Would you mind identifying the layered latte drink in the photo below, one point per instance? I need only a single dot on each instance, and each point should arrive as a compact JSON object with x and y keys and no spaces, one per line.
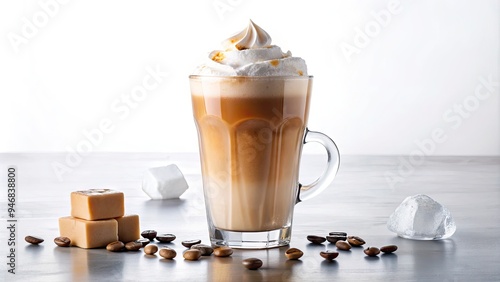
{"x":250,"y":135}
{"x":250,"y":103}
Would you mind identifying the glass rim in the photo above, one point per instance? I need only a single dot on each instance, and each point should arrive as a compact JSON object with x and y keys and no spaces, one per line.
{"x":239,"y":77}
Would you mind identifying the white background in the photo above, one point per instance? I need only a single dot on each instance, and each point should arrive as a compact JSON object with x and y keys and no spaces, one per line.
{"x":428,"y":57}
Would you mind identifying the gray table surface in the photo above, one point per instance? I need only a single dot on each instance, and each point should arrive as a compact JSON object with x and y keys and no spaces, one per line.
{"x":358,"y":202}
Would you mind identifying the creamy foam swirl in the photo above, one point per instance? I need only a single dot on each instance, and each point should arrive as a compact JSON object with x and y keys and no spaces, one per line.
{"x":250,"y":38}
{"x":250,"y":53}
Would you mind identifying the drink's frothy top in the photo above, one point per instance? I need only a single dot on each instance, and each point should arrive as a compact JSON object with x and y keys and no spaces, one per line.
{"x":250,"y":53}
{"x":250,"y":86}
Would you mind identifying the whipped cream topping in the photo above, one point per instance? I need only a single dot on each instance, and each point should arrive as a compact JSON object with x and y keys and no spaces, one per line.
{"x":252,"y":37}
{"x":250,"y":53}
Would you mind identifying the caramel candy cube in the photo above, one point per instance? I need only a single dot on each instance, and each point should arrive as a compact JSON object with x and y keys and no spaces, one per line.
{"x":88,"y":234}
{"x":94,"y":204}
{"x":128,"y":228}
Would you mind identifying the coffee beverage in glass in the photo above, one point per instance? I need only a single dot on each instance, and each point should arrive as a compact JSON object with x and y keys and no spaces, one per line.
{"x":251,"y":130}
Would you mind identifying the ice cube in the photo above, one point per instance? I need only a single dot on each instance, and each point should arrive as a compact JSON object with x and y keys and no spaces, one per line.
{"x":420,"y":217}
{"x":166,"y":182}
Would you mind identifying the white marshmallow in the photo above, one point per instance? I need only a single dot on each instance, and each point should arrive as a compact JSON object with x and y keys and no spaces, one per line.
{"x":166,"y":182}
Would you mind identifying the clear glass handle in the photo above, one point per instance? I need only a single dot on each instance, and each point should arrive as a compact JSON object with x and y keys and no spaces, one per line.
{"x":307,"y":192}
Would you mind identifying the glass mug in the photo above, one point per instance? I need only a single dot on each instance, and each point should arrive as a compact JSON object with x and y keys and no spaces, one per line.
{"x":251,"y":131}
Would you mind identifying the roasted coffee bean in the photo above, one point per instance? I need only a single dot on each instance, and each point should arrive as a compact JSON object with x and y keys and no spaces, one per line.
{"x":329,"y":255}
{"x":192,"y":254}
{"x":189,"y":243}
{"x":338,"y":233}
{"x":143,"y":241}
{"x":205,"y":250}
{"x":168,"y":253}
{"x":252,"y":263}
{"x":223,"y":251}
{"x":372,"y":251}
{"x":133,"y":246}
{"x":389,"y":249}
{"x":33,"y":240}
{"x":343,"y":245}
{"x":355,"y":241}
{"x":150,"y":249}
{"x":293,"y":253}
{"x":334,"y":238}
{"x":62,"y":241}
{"x":316,"y":239}
{"x":116,"y":246}
{"x":165,"y":238}
{"x":149,"y":234}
